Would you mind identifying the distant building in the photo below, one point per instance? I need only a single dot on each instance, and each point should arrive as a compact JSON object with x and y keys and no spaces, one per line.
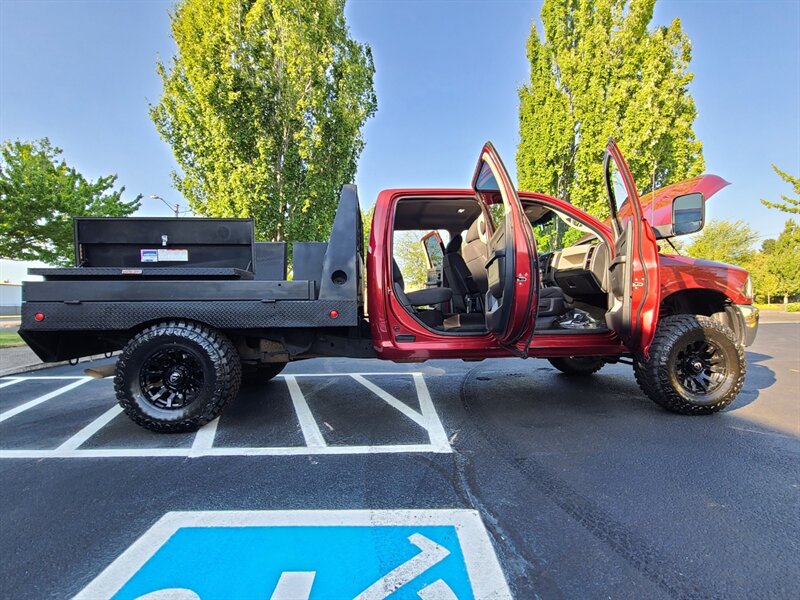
{"x":10,"y":298}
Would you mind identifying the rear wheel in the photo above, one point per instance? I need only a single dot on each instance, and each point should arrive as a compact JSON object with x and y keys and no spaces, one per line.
{"x":696,"y":366}
{"x":577,"y":365}
{"x":176,"y":376}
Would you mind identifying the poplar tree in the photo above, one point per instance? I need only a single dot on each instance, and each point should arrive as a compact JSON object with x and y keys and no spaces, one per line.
{"x":263,"y":106}
{"x":784,"y":261}
{"x":600,"y":71}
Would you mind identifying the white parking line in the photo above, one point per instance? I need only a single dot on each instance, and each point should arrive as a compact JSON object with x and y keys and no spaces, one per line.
{"x":391,"y":400}
{"x":221,"y":451}
{"x":433,"y":424}
{"x":204,"y":440}
{"x":46,"y":377}
{"x":84,"y":434}
{"x":9,"y":381}
{"x":309,"y":427}
{"x":203,"y":443}
{"x":36,"y":401}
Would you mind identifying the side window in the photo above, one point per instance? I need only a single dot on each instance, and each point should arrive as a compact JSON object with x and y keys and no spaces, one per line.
{"x":409,"y":254}
{"x":435,"y":253}
{"x":497,"y":212}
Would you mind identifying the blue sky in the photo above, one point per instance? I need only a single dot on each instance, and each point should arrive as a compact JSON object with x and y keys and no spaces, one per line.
{"x":447,"y":73}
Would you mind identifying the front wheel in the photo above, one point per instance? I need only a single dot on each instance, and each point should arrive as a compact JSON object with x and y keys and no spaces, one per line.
{"x":176,"y":376}
{"x":696,"y":367}
{"x":577,"y":365}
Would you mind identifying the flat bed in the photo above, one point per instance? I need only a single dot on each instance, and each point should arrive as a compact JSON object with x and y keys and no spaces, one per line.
{"x":95,"y":306}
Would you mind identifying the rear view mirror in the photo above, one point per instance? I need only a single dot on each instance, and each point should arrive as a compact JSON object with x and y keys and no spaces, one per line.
{"x":688,"y":214}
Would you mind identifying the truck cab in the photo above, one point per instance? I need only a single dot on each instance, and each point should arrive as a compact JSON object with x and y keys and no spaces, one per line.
{"x":600,"y":299}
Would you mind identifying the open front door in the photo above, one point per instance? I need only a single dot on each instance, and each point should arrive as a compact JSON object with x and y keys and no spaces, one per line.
{"x":634,"y":284}
{"x":511,"y":265}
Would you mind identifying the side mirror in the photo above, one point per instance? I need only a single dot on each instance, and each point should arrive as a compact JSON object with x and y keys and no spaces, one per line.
{"x":688,"y":213}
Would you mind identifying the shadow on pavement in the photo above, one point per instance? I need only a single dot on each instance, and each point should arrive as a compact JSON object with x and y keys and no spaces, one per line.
{"x":759,"y":377}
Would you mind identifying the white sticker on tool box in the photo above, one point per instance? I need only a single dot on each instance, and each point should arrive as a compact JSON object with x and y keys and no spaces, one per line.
{"x":173,"y":254}
{"x":148,"y":255}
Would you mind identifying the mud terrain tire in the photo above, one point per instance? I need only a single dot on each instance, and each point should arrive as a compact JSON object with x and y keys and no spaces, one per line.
{"x":696,"y":367}
{"x":176,"y":376}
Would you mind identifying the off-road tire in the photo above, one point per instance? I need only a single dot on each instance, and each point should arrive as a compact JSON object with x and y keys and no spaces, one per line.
{"x":577,"y":365}
{"x":215,"y":364}
{"x":258,"y":374}
{"x":660,"y":376}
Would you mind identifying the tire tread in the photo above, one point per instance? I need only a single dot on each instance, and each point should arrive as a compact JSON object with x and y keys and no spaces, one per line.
{"x":227,"y":381}
{"x":653,"y":375}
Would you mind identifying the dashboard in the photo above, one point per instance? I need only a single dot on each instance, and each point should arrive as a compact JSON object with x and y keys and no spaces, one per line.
{"x":580,"y":270}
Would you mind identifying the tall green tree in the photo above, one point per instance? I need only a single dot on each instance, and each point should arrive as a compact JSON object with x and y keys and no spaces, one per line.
{"x":599,"y":71}
{"x":263,"y":105}
{"x":724,"y":241}
{"x":787,"y":204}
{"x":784,"y":261}
{"x":765,"y":283}
{"x":39,"y":195}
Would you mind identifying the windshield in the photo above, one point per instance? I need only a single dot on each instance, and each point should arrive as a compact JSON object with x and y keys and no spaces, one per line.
{"x":555,"y":230}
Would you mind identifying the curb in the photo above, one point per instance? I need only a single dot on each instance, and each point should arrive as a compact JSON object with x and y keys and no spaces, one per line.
{"x":42,"y":365}
{"x":30,"y":368}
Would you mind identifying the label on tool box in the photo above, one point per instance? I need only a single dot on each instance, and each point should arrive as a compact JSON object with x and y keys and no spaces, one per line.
{"x":164,"y":255}
{"x":148,"y":256}
{"x":173,"y":255}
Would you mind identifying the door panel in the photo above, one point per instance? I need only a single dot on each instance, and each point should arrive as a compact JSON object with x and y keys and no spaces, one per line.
{"x":634,"y":274}
{"x":511,"y":264}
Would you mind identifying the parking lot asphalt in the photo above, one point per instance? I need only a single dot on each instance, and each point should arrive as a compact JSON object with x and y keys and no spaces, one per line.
{"x":585,"y":488}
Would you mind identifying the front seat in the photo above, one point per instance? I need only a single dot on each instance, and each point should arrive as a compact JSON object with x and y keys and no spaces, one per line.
{"x":475,"y":253}
{"x":466,"y":295}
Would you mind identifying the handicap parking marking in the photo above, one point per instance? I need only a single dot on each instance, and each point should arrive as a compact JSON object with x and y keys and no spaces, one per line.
{"x":423,"y":416}
{"x":440,"y":554}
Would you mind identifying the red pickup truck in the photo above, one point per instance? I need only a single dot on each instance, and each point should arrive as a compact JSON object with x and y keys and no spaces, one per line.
{"x":189,"y":326}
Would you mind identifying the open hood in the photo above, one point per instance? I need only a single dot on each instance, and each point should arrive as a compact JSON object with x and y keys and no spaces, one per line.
{"x":657,"y":206}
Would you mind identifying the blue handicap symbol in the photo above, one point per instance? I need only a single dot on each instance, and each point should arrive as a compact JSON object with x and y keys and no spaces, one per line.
{"x":304,"y":562}
{"x":434,"y":554}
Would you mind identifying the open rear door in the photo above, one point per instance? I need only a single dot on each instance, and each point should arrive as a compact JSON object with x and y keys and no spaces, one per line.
{"x":635,"y":286}
{"x":511,"y":266}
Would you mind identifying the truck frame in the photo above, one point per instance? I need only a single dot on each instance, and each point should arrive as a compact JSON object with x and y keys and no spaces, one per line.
{"x":194,"y":305}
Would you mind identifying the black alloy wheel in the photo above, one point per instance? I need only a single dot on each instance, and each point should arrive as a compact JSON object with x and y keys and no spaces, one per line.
{"x":700,"y":367}
{"x":171,"y":378}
